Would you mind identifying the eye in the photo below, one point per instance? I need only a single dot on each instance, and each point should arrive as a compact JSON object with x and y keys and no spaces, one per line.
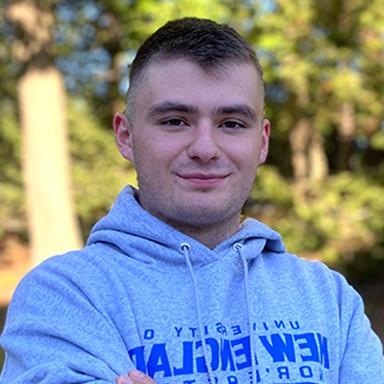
{"x":173,"y":122}
{"x":233,"y":124}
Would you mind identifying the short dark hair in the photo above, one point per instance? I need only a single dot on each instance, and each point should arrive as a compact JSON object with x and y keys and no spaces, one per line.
{"x":204,"y":42}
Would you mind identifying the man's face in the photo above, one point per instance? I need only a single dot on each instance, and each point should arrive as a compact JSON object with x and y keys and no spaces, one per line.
{"x":196,"y":140}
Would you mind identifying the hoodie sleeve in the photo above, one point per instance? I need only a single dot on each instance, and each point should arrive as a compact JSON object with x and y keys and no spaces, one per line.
{"x":362,"y":357}
{"x":55,"y":332}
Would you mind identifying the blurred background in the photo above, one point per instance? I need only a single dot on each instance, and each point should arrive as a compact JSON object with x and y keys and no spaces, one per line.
{"x":63,"y":68}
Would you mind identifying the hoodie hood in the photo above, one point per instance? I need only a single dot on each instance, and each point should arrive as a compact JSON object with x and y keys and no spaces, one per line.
{"x":256,"y":315}
{"x":140,"y":235}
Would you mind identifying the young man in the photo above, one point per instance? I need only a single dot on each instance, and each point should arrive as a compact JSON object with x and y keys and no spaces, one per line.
{"x":171,"y":283}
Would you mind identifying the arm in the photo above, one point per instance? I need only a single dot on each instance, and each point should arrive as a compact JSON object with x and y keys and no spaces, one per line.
{"x":56,"y":332}
{"x":362,"y":357}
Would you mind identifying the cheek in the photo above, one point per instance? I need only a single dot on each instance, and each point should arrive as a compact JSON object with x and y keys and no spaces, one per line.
{"x":153,"y":156}
{"x":246,"y":157}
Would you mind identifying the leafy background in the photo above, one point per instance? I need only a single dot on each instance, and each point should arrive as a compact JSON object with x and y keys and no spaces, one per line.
{"x":323,"y":187}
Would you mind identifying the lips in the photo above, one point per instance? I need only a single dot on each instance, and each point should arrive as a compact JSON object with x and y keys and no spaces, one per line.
{"x":202,"y":176}
{"x":203,"y":179}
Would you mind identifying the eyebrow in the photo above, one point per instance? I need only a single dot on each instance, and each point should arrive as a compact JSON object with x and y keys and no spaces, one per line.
{"x":240,"y":109}
{"x":171,"y":106}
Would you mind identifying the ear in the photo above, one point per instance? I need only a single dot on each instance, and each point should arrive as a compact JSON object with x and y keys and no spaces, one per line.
{"x":264,"y":145}
{"x":123,"y":135}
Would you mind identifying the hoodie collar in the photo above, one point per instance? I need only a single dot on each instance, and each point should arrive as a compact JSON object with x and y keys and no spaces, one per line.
{"x":140,"y":235}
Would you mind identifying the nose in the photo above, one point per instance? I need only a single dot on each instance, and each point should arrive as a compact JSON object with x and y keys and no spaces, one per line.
{"x":204,"y":146}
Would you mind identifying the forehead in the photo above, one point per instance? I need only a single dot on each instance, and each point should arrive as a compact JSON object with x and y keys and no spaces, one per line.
{"x":184,"y":81}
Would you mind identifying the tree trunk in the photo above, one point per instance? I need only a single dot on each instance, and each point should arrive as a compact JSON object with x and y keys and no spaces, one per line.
{"x":299,"y":138}
{"x":41,"y":95}
{"x":318,"y":162}
{"x":346,"y":132}
{"x":52,"y":224}
{"x":309,"y":160}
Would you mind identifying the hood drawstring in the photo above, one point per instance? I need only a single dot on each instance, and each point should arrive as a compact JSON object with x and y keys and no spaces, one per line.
{"x":238,"y":248}
{"x":185,"y":247}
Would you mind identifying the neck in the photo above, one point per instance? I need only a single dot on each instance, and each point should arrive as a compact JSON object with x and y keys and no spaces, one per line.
{"x":210,"y":234}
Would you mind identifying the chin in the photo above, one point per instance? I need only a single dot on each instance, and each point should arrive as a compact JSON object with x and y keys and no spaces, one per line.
{"x":204,"y":215}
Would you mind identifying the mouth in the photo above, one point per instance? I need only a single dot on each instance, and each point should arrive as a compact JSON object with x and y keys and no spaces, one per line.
{"x":203,"y":180}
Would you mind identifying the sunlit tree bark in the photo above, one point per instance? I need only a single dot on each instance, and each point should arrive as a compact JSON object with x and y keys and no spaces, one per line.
{"x":346,"y":133}
{"x":41,"y":97}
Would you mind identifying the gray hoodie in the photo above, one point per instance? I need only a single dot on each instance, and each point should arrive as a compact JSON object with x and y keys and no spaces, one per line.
{"x":141,"y":294}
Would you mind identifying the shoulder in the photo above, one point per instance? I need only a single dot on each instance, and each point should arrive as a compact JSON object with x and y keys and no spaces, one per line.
{"x":289,"y":263}
{"x":60,"y":318}
{"x":72,"y":276}
{"x":312,"y":278}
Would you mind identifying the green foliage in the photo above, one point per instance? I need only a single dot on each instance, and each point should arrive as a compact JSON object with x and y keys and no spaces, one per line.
{"x":12,"y":215}
{"x":377,"y":140}
{"x":99,"y":172}
{"x":347,"y":211}
{"x":271,"y":187}
{"x":335,"y":221}
{"x":318,"y":56}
